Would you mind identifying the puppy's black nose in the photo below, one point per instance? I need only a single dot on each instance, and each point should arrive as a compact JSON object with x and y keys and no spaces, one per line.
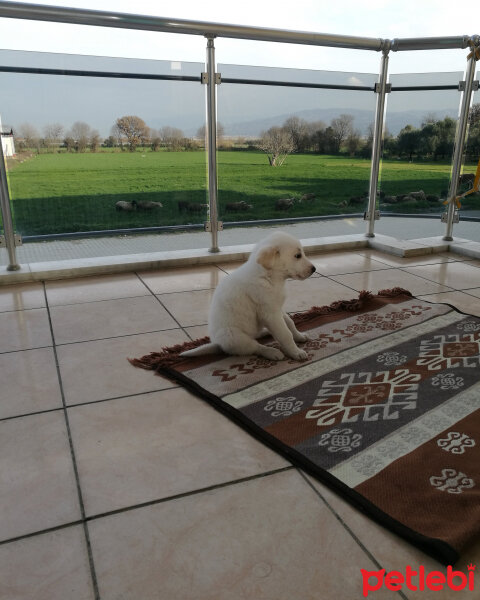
{"x":313,"y":269}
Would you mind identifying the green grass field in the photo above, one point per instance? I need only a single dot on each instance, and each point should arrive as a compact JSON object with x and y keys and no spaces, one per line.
{"x":59,"y":193}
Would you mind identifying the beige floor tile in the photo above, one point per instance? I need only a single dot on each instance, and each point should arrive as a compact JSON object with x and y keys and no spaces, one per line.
{"x":229,"y":267}
{"x":110,"y":318}
{"x":36,"y":475}
{"x":51,"y":566}
{"x":474,"y":292}
{"x":188,"y":308}
{"x":457,"y":275}
{"x":267,"y":538}
{"x":391,"y":551}
{"x":401,"y":261}
{"x":99,"y":370}
{"x":24,"y":329}
{"x":135,"y":450}
{"x":315,"y":291}
{"x":21,"y":296}
{"x":380,"y":280}
{"x":464,"y":302}
{"x":337,"y":263}
{"x":182,"y":280}
{"x":29,"y":382}
{"x":90,"y":289}
{"x":198,"y":331}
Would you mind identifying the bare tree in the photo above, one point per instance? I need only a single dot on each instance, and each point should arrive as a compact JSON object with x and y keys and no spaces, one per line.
{"x":277,"y":143}
{"x":341,"y":129}
{"x":81,"y":133}
{"x":155,"y":140}
{"x":134,"y":129}
{"x":202,"y":132}
{"x":94,"y":140}
{"x":353,"y":142}
{"x":53,"y":134}
{"x":29,"y":135}
{"x":172,"y":138}
{"x":298,"y":129}
{"x":117,"y":136}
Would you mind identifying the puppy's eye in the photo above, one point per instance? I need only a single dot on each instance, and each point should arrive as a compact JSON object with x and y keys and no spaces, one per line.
{"x":299,"y":255}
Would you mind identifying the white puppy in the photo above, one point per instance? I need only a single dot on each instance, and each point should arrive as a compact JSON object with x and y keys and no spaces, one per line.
{"x":251,"y":299}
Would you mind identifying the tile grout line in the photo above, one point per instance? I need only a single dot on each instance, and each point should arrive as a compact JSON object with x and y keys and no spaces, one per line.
{"x":89,"y":403}
{"x":345,"y":526}
{"x":85,"y":520}
{"x":165,"y":308}
{"x":72,"y":455}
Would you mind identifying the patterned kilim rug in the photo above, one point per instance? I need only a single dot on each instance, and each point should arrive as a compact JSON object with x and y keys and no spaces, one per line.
{"x":386,"y":410}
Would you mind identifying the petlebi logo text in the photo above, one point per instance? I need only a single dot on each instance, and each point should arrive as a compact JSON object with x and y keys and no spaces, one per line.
{"x":418,"y":579}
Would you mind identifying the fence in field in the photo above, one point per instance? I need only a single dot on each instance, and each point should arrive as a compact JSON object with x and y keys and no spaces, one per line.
{"x":230,"y":84}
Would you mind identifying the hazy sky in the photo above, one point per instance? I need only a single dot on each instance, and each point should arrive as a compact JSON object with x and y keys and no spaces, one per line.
{"x":371,"y":18}
{"x":41,"y":99}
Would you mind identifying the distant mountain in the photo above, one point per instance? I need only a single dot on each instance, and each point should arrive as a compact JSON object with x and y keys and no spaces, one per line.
{"x":362,"y":120}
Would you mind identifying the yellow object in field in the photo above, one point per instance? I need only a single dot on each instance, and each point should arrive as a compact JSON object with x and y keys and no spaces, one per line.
{"x":475,"y":188}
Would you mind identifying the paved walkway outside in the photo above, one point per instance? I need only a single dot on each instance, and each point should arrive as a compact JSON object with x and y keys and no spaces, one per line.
{"x":401,"y":228}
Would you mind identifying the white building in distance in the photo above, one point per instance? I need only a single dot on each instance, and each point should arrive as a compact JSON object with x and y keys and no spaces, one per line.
{"x":8,"y":144}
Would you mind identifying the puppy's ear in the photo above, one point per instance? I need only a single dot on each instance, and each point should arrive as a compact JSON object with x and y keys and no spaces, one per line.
{"x":266,"y":256}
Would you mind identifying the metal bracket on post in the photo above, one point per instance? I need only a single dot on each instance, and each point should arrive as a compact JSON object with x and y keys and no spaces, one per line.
{"x":456,"y":217}
{"x":208,"y":226}
{"x":17,"y":238}
{"x":205,"y":78}
{"x":462,"y":86}
{"x":376,"y":215}
{"x":378,"y":89}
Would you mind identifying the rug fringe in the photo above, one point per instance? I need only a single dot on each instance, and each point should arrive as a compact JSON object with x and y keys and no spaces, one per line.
{"x":396,"y":291}
{"x":168,"y":356}
{"x":340,"y":305}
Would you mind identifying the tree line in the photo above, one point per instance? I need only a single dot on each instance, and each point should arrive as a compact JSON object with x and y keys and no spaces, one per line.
{"x":433,"y":140}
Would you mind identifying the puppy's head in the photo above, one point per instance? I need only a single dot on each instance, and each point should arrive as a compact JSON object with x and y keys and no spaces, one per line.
{"x":283,"y":254}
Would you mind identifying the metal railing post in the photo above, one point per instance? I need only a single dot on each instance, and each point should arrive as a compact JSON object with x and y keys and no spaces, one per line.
{"x":460,"y":137}
{"x":211,"y":91}
{"x":381,"y":90}
{"x":7,"y":216}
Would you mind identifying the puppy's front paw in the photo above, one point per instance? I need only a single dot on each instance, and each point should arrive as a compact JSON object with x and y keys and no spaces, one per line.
{"x":299,"y":354}
{"x":302,"y":337}
{"x":273,"y":354}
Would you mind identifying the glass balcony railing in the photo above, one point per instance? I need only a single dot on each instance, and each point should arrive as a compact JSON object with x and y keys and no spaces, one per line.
{"x":108,"y":145}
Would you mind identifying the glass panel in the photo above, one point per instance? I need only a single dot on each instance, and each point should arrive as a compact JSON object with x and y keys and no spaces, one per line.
{"x":287,"y":152}
{"x":471,"y":168}
{"x":73,"y":165}
{"x":417,"y":153}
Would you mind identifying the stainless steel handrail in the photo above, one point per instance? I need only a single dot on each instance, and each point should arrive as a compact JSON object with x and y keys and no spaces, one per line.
{"x":98,"y":18}
{"x":80,"y":16}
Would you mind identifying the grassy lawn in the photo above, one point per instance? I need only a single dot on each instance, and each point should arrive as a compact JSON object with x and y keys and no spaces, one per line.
{"x":54,"y":193}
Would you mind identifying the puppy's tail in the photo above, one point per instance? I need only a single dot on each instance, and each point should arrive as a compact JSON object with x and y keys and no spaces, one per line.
{"x":201,"y":350}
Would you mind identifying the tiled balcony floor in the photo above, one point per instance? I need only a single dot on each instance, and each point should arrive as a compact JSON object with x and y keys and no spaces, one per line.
{"x":117,"y":484}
